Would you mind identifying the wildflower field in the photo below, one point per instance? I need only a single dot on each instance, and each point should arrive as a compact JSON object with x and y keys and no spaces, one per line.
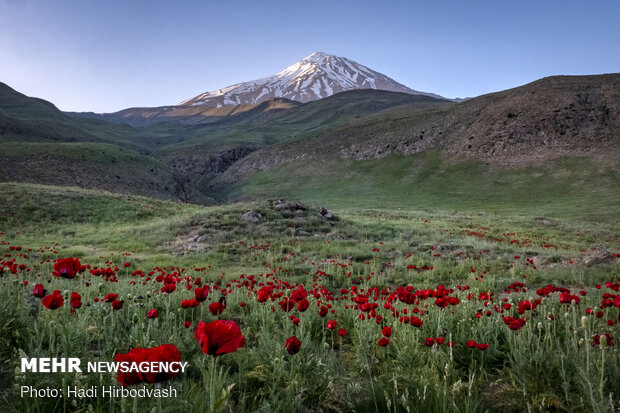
{"x":367,"y":309}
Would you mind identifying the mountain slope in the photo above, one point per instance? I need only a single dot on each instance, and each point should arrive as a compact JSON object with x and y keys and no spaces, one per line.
{"x":208,"y":150}
{"x":185,"y":115}
{"x":571,"y":116}
{"x":315,"y":77}
{"x":24,"y":118}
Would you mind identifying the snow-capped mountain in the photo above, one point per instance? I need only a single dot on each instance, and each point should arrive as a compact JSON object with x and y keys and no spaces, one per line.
{"x":315,"y":77}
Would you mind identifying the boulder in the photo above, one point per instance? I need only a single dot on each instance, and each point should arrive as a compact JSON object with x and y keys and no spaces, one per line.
{"x":598,"y":255}
{"x":300,"y":232}
{"x":251,"y":216}
{"x":325,"y":213}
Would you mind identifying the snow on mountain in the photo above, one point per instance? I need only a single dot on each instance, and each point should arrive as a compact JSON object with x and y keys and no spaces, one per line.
{"x":315,"y":77}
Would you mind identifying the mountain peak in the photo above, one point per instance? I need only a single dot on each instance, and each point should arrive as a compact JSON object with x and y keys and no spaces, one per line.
{"x":316,"y":76}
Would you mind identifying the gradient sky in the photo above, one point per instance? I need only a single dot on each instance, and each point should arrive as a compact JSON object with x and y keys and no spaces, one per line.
{"x":104,"y":56}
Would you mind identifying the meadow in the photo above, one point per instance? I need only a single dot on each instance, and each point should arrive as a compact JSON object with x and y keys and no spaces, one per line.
{"x":394,"y":307}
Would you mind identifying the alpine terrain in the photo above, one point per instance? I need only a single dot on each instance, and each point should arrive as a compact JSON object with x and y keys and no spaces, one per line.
{"x":315,"y":77}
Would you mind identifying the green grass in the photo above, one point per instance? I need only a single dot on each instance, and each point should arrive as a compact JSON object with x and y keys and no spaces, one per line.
{"x":550,"y":368}
{"x":303,"y":122}
{"x":566,"y":186}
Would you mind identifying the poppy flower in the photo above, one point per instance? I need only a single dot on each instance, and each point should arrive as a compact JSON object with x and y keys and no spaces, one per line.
{"x":38,"y":291}
{"x":440,"y":340}
{"x":429,"y":342}
{"x":342,"y":332}
{"x":287,"y":304}
{"x":152,"y":314}
{"x":117,"y":305}
{"x":189,"y":303}
{"x":53,"y":301}
{"x":219,"y":337}
{"x":482,"y":346}
{"x":216,"y":308}
{"x":471,"y":344}
{"x":201,"y":293}
{"x":293,"y":345}
{"x":110,"y":297}
{"x":303,"y":305}
{"x":67,"y":268}
{"x":169,"y":288}
{"x":323,"y":311}
{"x":187,"y":324}
{"x":387,"y":331}
{"x":75,"y":300}
{"x":383,"y":342}
{"x":332,"y":324}
{"x":135,"y":355}
{"x":264,"y":294}
{"x":299,"y":294}
{"x":164,"y":353}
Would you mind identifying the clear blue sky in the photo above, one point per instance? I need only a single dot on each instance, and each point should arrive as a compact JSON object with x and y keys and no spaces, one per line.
{"x":108,"y":55}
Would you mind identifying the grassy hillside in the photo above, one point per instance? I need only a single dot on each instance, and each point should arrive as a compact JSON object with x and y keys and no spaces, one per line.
{"x":85,"y":164}
{"x":565,"y":186}
{"x":254,"y":128}
{"x":27,"y":119}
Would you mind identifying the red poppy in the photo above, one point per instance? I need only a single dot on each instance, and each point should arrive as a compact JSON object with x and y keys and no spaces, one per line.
{"x":387,"y":331}
{"x":187,"y":324}
{"x":482,"y":346}
{"x":439,"y":340}
{"x":76,"y":300}
{"x":416,"y":322}
{"x":264,"y":294}
{"x":323,"y":311}
{"x":303,"y":305}
{"x":292,"y":344}
{"x":189,"y":303}
{"x":201,"y":293}
{"x":342,"y":332}
{"x":383,"y":342}
{"x":53,"y":301}
{"x":299,"y":294}
{"x":332,"y":324}
{"x":164,"y":353}
{"x":152,"y":314}
{"x":429,"y":342}
{"x":169,"y":288}
{"x":67,"y":268}
{"x":219,"y":337}
{"x":471,"y":344}
{"x":135,"y":355}
{"x":38,"y":291}
{"x":287,"y":304}
{"x":117,"y":305}
{"x":110,"y":297}
{"x":216,"y":308}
